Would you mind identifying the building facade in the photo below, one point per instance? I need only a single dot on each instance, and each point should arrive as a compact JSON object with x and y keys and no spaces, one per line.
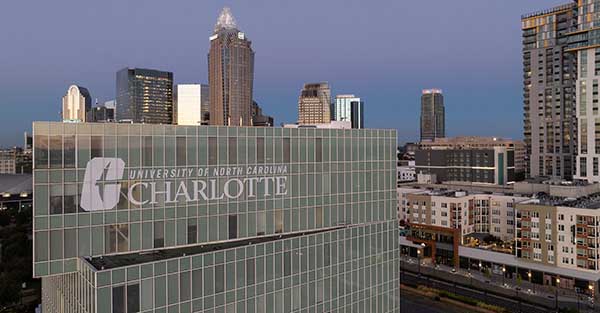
{"x":75,"y":104}
{"x":230,"y":74}
{"x":349,"y":108}
{"x":101,"y":114}
{"x":191,"y":104}
{"x":144,"y":96}
{"x":433,"y":115}
{"x":260,"y":119}
{"x":560,"y":233}
{"x":487,"y":160}
{"x":157,"y":218}
{"x":314,"y":104}
{"x":549,"y":71}
{"x":470,"y":213}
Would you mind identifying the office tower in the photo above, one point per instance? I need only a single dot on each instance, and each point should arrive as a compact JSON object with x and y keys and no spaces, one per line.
{"x":314,"y":104}
{"x":230,"y":74}
{"x":191,"y":104}
{"x":433,"y":116}
{"x":349,"y":108}
{"x":549,"y":72}
{"x":215,"y":219}
{"x":75,"y":104}
{"x":101,"y":114}
{"x":145,"y":96}
{"x":260,"y":119}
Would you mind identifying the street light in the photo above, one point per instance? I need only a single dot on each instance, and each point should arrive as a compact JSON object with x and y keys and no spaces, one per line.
{"x":557,"y":283}
{"x":503,"y":274}
{"x":419,"y":261}
{"x":529,"y":275}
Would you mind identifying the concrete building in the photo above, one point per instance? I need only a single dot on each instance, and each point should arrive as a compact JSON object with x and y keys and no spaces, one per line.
{"x":468,"y":159}
{"x":470,"y":213}
{"x":433,"y":115}
{"x":144,"y":96}
{"x":314,"y":104}
{"x":560,"y":232}
{"x":349,"y":108}
{"x":214,"y":219}
{"x":549,"y":71}
{"x":407,"y":173}
{"x":191,"y":104}
{"x":75,"y":104}
{"x":8,"y":161}
{"x":230,"y":74}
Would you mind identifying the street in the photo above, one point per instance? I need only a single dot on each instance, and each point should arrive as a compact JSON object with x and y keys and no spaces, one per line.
{"x":415,"y":303}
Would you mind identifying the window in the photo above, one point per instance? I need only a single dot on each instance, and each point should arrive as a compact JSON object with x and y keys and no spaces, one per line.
{"x":133,"y":298}
{"x":56,"y":199}
{"x":118,"y":299}
{"x":219,"y":278}
{"x":286,"y":150}
{"x":260,"y":150}
{"x":232,"y":151}
{"x":261,"y":223}
{"x":278,"y":221}
{"x":232,"y":226}
{"x":159,"y":234}
{"x":56,"y":150}
{"x":147,"y":150}
{"x":192,"y":230}
{"x":212,"y":150}
{"x":69,"y":151}
{"x":181,"y":151}
{"x":318,"y":150}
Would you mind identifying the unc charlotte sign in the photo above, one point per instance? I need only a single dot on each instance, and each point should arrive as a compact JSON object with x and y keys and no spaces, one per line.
{"x":103,"y":176}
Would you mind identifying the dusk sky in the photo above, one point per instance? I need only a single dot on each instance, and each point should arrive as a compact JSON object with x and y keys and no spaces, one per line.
{"x":384,"y":51}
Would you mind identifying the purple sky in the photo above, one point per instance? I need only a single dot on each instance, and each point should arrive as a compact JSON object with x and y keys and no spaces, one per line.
{"x":384,"y":51}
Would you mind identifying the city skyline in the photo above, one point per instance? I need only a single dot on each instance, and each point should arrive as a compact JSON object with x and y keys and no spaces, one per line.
{"x":387,"y":83}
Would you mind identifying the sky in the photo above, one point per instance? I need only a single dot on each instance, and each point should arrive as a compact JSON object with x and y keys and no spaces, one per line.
{"x":384,"y":51}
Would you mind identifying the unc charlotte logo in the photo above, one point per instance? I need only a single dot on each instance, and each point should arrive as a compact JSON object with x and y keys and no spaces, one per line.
{"x":100,"y":184}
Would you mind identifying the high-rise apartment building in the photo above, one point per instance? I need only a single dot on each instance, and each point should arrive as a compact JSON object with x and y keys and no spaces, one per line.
{"x":314,"y":104}
{"x":549,"y":72}
{"x":191,"y":104}
{"x":433,"y":116}
{"x":75,"y":104}
{"x":145,"y":96}
{"x":164,"y":218}
{"x":230,"y":74}
{"x":582,"y":42}
{"x":349,"y":108}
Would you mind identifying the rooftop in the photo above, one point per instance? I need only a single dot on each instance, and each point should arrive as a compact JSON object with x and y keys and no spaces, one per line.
{"x":225,"y":20}
{"x":562,"y":7}
{"x":114,"y":261}
{"x":15,"y":183}
{"x":591,"y":201}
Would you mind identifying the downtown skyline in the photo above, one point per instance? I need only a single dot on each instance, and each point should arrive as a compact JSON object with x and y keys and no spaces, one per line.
{"x":479,"y":68}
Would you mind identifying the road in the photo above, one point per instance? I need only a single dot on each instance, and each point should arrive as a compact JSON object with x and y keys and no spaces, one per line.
{"x":411,"y":302}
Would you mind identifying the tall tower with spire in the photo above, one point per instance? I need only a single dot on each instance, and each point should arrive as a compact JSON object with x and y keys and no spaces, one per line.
{"x":230,"y":73}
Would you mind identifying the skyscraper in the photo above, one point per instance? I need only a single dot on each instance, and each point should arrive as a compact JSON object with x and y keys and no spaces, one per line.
{"x":314,"y":104}
{"x":433,"y":116}
{"x":584,"y":45}
{"x":349,"y":108}
{"x":145,"y":96}
{"x":75,"y":104}
{"x":549,"y":73}
{"x":191,"y":104}
{"x":230,"y":74}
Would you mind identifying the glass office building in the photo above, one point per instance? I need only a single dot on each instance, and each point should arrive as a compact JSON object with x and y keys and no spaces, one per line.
{"x":162,"y":218}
